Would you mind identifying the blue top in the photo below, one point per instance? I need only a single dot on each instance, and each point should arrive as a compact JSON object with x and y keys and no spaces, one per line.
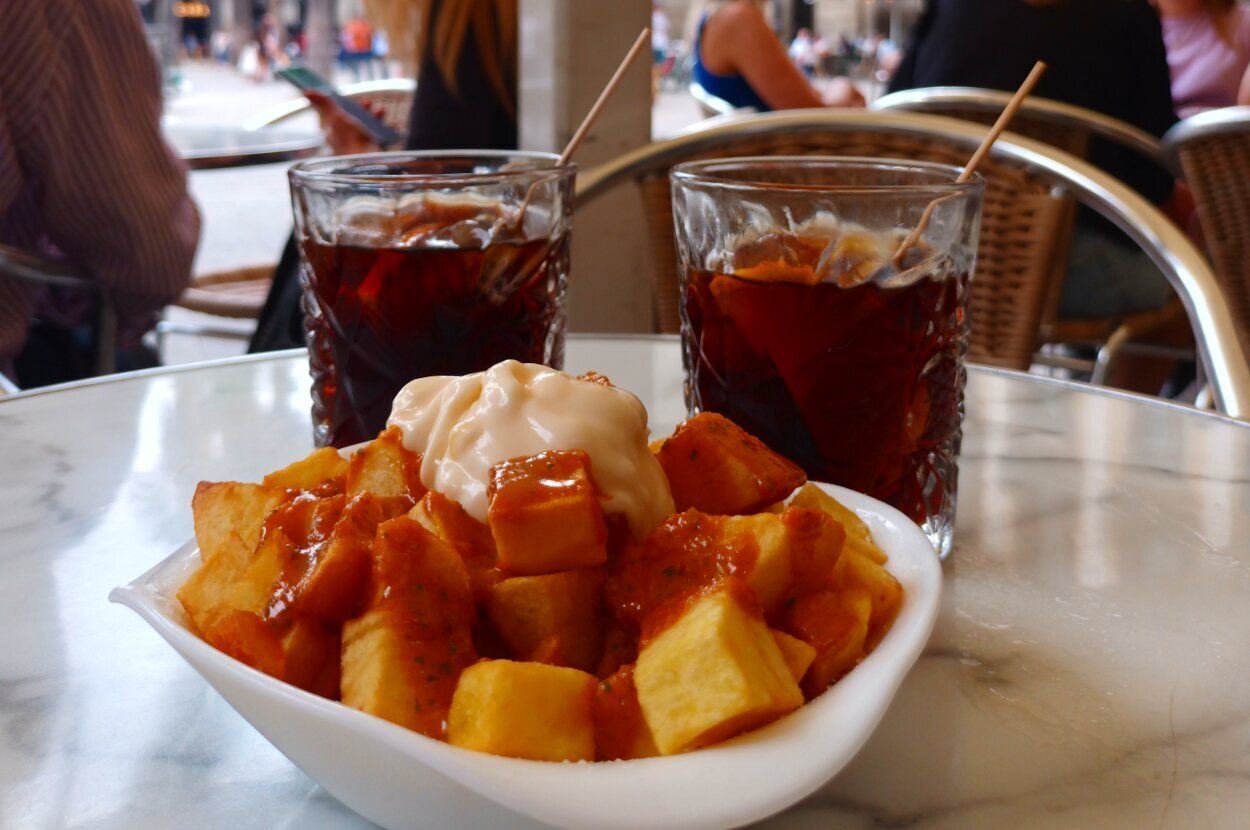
{"x":731,"y":88}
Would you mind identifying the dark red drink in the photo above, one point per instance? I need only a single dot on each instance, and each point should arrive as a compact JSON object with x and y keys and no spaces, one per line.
{"x":862,"y":385}
{"x":380,"y":316}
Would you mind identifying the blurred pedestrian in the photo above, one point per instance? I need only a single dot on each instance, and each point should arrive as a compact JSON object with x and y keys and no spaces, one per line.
{"x":803,"y":51}
{"x":739,"y":59}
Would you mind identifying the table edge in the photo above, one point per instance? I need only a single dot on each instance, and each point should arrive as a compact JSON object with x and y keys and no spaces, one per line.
{"x":1070,"y":385}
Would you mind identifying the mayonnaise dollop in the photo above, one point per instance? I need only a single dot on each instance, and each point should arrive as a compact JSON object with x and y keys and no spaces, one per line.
{"x":463,"y":426}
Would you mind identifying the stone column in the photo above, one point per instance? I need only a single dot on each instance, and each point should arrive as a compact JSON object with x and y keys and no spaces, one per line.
{"x":568,"y":51}
{"x":320,"y":36}
{"x":241,"y":27}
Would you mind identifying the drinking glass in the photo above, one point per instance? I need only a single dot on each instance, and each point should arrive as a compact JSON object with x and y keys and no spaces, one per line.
{"x":809,"y":322}
{"x":426,"y":263}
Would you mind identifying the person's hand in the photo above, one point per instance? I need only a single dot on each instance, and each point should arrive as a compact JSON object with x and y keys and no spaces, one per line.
{"x":344,"y":135}
{"x":840,"y":92}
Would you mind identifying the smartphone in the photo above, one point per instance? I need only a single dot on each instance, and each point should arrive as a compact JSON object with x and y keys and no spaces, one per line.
{"x":305,"y":79}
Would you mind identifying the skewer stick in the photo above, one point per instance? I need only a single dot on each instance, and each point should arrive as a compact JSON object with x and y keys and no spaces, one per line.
{"x":592,"y":115}
{"x":643,"y":37}
{"x":1009,"y":112}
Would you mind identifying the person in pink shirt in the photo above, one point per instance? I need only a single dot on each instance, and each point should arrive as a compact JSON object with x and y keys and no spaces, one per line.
{"x":1208,"y":44}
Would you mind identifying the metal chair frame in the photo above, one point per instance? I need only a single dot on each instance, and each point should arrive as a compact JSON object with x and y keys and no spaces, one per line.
{"x":1210,"y":124}
{"x":991,"y":102}
{"x":28,"y":267}
{"x":1220,"y":353}
{"x":1211,"y":150}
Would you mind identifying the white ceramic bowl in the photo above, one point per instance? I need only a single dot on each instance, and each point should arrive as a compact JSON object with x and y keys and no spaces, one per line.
{"x":400,"y":779}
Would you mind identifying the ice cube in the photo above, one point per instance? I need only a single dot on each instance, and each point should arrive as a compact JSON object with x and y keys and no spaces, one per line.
{"x":854,"y":258}
{"x":778,"y":257}
{"x":367,"y":222}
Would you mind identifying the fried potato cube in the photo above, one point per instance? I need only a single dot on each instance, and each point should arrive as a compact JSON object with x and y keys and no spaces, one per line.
{"x":621,"y":731}
{"x":524,"y":710}
{"x":415,"y":570}
{"x":312,"y":652}
{"x":714,"y":466}
{"x":545,"y":515}
{"x":553,"y":618}
{"x":777,"y":555}
{"x":794,"y":551}
{"x":449,"y":521}
{"x":305,"y":655}
{"x":858,"y":536}
{"x":859,"y":573}
{"x":385,"y":467}
{"x":296,"y":535}
{"x":229,"y":517}
{"x":247,"y":638}
{"x":402,"y":658}
{"x":254,"y":589}
{"x":797,"y":654}
{"x":208,"y":591}
{"x":324,"y":466}
{"x":336,"y":581}
{"x":835,"y":624}
{"x":713,"y":673}
{"x":246,"y":580}
{"x":391,"y":674}
{"x":767,"y":563}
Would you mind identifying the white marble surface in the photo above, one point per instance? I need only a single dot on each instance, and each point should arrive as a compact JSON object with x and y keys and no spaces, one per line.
{"x":1091,"y":666}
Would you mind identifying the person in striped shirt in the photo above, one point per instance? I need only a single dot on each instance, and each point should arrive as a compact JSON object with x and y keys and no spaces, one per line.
{"x":84,"y":172}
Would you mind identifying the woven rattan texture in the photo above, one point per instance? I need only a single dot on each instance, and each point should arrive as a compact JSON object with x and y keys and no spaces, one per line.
{"x":1218,"y":170}
{"x":1021,"y":224}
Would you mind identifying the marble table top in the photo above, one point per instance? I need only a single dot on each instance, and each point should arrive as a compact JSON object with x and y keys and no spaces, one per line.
{"x":1090,"y":668}
{"x":205,"y":148}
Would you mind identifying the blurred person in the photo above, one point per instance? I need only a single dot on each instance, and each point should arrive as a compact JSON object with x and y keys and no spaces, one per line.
{"x":803,"y":51}
{"x":356,"y":42}
{"x":381,"y":52}
{"x":221,"y":44}
{"x":659,"y":35}
{"x":466,"y":99}
{"x":824,"y":55}
{"x":269,"y":54}
{"x":465,"y":52}
{"x":1104,"y":55}
{"x":1208,"y":44}
{"x":738,"y":58}
{"x":86,"y":176}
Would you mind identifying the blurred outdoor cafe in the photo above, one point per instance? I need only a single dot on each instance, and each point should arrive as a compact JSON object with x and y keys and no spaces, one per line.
{"x":159,"y":312}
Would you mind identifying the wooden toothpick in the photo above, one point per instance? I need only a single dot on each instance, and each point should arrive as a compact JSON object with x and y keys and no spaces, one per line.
{"x":592,"y":114}
{"x":1009,"y":112}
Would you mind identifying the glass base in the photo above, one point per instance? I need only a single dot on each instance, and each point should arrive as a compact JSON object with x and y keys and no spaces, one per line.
{"x":941,"y":533}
